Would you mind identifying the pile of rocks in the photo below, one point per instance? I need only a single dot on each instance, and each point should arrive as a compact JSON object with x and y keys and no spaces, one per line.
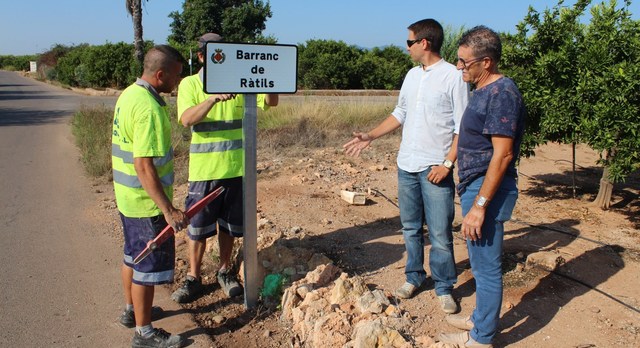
{"x":327,"y":308}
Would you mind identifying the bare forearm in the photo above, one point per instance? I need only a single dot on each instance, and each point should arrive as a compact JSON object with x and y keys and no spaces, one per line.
{"x":453,"y":152}
{"x":387,"y":126}
{"x":196,"y":113}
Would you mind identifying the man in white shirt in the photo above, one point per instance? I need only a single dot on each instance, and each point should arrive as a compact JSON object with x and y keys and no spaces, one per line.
{"x":431,"y":102}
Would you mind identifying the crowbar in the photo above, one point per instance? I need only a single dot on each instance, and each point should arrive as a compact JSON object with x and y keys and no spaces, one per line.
{"x":168,"y":231}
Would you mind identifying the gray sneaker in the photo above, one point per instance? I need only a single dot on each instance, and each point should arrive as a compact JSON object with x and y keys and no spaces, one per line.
{"x":128,"y":318}
{"x":406,"y":290}
{"x":158,"y":339}
{"x":229,"y":284}
{"x":189,"y":291}
{"x":448,"y":304}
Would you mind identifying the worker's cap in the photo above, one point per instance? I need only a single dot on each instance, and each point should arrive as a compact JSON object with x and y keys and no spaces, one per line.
{"x":202,"y":41}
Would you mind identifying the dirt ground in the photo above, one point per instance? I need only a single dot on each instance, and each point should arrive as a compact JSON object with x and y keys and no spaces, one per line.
{"x":590,"y":300}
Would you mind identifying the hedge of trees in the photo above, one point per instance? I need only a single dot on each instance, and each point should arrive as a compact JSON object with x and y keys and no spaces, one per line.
{"x":322,"y":64}
{"x":16,"y":63}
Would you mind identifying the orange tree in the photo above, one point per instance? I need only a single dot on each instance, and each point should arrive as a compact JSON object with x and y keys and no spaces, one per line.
{"x":581,"y":82}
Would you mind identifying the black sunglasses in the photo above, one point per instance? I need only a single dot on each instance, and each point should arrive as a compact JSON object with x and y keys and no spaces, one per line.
{"x":411,"y":42}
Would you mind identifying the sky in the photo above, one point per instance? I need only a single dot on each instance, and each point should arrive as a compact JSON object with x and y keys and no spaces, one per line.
{"x":29,"y":27}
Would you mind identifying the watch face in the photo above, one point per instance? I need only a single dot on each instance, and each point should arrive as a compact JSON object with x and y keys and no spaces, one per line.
{"x":481,"y":202}
{"x":447,"y":164}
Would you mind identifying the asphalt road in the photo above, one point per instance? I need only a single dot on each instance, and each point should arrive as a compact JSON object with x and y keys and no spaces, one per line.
{"x":59,"y":268}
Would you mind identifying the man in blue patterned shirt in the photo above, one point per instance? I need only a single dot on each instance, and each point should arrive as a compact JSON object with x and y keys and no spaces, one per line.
{"x":488,"y":148}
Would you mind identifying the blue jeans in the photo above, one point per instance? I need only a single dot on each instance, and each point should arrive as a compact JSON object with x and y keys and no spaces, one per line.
{"x":422,"y":200}
{"x":485,"y":255}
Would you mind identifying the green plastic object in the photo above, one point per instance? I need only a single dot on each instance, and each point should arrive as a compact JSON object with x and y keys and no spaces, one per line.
{"x":272,"y":285}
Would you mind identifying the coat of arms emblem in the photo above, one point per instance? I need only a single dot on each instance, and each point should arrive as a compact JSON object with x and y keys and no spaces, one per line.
{"x":218,"y":57}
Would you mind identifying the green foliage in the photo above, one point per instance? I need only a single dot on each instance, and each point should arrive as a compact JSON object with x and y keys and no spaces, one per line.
{"x":17,"y":63}
{"x":383,"y":68}
{"x":449,"y":49}
{"x":609,"y":88}
{"x":580,"y":81}
{"x":108,"y":65}
{"x":236,"y":20}
{"x":328,"y":64}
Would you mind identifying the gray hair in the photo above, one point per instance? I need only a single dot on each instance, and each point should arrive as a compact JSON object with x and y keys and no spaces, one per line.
{"x":483,"y":41}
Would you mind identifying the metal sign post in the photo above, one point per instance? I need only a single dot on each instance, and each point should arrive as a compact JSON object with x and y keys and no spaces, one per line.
{"x":249,"y":69}
{"x":250,"y":242}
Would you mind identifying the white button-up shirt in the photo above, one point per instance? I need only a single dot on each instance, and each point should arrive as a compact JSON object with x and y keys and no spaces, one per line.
{"x":430,"y":107}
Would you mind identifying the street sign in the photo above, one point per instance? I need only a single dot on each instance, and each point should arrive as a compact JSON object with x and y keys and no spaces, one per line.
{"x":250,"y":68}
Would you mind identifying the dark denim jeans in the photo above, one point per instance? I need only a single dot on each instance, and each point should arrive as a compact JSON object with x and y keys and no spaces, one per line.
{"x":485,"y":255}
{"x":422,"y":201}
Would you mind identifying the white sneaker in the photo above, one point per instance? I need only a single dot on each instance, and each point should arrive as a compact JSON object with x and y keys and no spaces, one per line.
{"x":406,"y":290}
{"x":448,"y":304}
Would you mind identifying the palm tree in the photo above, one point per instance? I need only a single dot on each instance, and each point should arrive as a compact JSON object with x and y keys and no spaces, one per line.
{"x":134,"y":8}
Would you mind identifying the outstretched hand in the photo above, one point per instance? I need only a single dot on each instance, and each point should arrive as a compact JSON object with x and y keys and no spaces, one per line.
{"x":359,"y":142}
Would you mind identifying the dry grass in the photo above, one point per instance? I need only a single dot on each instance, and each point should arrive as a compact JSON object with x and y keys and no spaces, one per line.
{"x":296,"y":126}
{"x":293,"y":128}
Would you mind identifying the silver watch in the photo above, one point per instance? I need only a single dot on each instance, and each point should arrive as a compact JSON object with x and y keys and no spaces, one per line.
{"x":482,"y":201}
{"x":448,"y":164}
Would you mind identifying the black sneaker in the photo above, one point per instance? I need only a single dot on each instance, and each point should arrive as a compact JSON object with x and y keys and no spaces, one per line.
{"x":229,"y":284}
{"x":189,"y":291}
{"x":128,"y":318}
{"x":159,"y":338}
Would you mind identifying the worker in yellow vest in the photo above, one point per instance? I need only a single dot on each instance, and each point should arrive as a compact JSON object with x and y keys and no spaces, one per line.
{"x":216,"y":159}
{"x":142,"y":159}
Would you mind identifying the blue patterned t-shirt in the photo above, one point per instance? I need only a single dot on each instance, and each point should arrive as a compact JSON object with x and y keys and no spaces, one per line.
{"x":496,"y":109}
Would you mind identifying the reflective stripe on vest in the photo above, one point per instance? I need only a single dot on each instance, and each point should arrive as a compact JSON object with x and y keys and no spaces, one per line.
{"x":133,"y":181}
{"x":219,"y":146}
{"x":127,"y":156}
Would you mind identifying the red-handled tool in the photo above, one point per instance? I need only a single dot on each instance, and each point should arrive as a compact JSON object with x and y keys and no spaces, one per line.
{"x":168,"y":231}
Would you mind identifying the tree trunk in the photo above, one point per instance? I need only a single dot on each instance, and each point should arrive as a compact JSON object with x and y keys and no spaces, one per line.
{"x":603,"y":200}
{"x":135,"y":8}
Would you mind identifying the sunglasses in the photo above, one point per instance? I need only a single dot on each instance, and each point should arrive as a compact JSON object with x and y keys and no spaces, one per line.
{"x":411,"y":42}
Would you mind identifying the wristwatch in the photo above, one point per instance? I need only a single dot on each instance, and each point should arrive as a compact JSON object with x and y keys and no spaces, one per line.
{"x":447,"y":163}
{"x":482,"y":201}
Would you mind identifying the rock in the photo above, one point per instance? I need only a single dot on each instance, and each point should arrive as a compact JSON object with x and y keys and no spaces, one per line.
{"x":218,"y":319}
{"x":262,"y":223}
{"x":303,"y":290}
{"x":330,"y":331}
{"x":375,"y":334}
{"x":347,"y":289}
{"x":372,"y":301}
{"x":317,"y":260}
{"x":299,"y":179}
{"x":354,"y":198}
{"x":392,"y":311}
{"x":544,"y":259}
{"x":322,"y":275}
